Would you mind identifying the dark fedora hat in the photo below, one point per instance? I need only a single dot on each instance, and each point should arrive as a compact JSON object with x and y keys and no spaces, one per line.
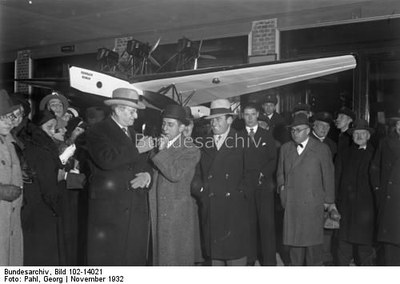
{"x":43,"y":116}
{"x":300,"y":119}
{"x":361,"y":124}
{"x":176,"y":112}
{"x":322,"y":116}
{"x":189,"y":114}
{"x":271,"y":99}
{"x":6,"y":105}
{"x":125,"y":97}
{"x":301,"y":107}
{"x":348,"y":112}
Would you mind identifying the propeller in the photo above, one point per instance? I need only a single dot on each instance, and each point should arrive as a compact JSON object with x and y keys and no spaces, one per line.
{"x":153,"y":48}
{"x":199,"y":55}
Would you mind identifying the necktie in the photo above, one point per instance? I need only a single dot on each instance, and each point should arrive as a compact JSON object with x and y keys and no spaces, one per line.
{"x":251,"y":134}
{"x":217,"y":141}
{"x":126,"y":132}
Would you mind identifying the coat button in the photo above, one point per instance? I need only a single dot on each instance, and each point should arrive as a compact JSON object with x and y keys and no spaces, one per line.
{"x":227,"y":194}
{"x":212,"y":194}
{"x":388,"y":197}
{"x":390,"y":182}
{"x":126,"y":210}
{"x":163,"y":215}
{"x":226,"y":176}
{"x":3,"y":162}
{"x":210,"y":177}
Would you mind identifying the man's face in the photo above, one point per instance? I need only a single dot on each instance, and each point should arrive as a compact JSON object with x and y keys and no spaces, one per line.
{"x":56,"y":106}
{"x":342,"y":121}
{"x":361,"y":137}
{"x":397,"y":129}
{"x":5,"y":125}
{"x":250,"y":116}
{"x":50,"y":127}
{"x":300,"y":133}
{"x":269,"y":108}
{"x":125,"y":115}
{"x":321,"y":128}
{"x":172,"y":128}
{"x":187,"y":132}
{"x":221,"y":124}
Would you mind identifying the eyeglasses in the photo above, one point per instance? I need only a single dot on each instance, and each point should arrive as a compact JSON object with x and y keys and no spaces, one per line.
{"x":14,"y":115}
{"x":297,"y":130}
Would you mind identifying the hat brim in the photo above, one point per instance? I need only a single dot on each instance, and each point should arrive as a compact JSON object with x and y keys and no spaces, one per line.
{"x":219,"y":114}
{"x":299,"y":123}
{"x":369,"y":129}
{"x":11,"y":109}
{"x":138,"y":105}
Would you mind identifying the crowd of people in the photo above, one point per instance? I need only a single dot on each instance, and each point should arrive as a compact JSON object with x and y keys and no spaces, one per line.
{"x":254,"y":189}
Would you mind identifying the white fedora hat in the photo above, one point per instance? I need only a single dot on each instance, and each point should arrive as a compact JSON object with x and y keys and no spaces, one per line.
{"x":125,"y":97}
{"x":220,"y":107}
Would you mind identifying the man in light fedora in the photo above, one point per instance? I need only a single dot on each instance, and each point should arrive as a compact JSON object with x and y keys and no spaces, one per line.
{"x":305,"y":180}
{"x":175,"y":221}
{"x":219,"y":187}
{"x":118,"y":217}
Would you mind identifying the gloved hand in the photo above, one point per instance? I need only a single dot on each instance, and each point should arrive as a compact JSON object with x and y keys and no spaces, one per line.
{"x":9,"y":192}
{"x":68,"y":153}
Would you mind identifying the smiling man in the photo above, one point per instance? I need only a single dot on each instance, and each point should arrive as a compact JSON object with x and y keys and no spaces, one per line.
{"x":305,"y":179}
{"x":174,"y":216}
{"x":118,"y":218}
{"x":219,"y":187}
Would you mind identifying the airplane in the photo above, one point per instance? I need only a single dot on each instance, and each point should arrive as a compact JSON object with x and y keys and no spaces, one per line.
{"x":195,"y":88}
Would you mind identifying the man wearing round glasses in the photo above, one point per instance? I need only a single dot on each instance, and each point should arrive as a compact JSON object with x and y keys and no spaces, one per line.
{"x":305,"y":179}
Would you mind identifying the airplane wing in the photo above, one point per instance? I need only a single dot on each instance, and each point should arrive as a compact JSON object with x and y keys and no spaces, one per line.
{"x":210,"y":85}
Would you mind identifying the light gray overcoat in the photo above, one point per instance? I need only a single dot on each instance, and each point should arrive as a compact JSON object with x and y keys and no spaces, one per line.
{"x":11,"y":241}
{"x":309,"y":183}
{"x":174,"y":216}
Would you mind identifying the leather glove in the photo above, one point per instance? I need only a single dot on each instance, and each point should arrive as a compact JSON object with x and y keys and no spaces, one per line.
{"x":9,"y":192}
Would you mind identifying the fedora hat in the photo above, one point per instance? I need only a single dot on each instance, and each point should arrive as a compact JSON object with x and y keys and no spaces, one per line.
{"x":125,"y":97}
{"x":301,"y":107}
{"x":176,"y":112}
{"x":6,"y":105}
{"x":300,"y":119}
{"x":322,"y":116}
{"x":220,"y":107}
{"x":271,"y":99}
{"x":361,"y":124}
{"x":348,"y":112}
{"x":189,"y":115}
{"x":43,"y":103}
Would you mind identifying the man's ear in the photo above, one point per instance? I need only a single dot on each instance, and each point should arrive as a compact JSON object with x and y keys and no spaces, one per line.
{"x":181,"y":128}
{"x":229,"y":120}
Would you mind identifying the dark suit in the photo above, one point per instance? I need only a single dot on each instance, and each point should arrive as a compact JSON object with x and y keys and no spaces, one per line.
{"x":118,"y":220}
{"x":277,"y":126}
{"x":260,"y":165}
{"x":219,"y":186}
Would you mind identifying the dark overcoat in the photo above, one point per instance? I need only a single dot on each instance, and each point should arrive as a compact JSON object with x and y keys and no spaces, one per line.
{"x":260,"y":159}
{"x":118,"y":216}
{"x":309,"y":183}
{"x":42,"y":202}
{"x":219,"y":186}
{"x":277,"y":126}
{"x":355,"y":198}
{"x":385,"y":179}
{"x":174,"y":213}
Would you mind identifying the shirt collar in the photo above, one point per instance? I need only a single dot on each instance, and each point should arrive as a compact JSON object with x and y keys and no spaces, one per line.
{"x":223,"y":135}
{"x":304,"y":143}
{"x":121,"y":126}
{"x":320,"y":138}
{"x":362,"y":147}
{"x":270,"y":116}
{"x":254,"y":128}
{"x":173,"y":140}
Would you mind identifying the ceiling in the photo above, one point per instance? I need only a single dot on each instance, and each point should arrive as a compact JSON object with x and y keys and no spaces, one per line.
{"x":33,"y":24}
